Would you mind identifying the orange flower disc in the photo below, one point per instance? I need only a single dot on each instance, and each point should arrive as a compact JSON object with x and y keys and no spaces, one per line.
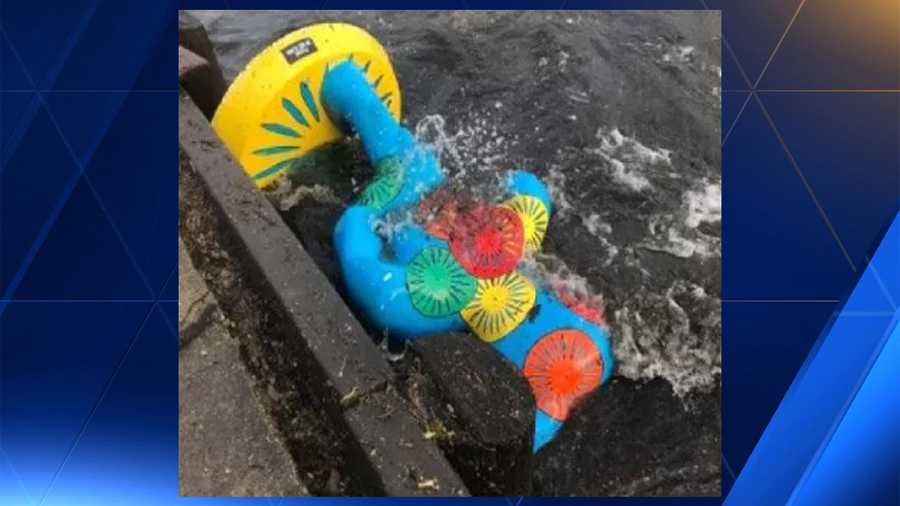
{"x":561,"y":367}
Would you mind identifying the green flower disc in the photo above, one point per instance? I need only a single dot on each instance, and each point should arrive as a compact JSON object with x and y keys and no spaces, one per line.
{"x":385,"y":186}
{"x":438,"y":286}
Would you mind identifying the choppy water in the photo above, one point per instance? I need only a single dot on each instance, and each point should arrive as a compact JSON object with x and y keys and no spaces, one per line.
{"x":618,"y":112}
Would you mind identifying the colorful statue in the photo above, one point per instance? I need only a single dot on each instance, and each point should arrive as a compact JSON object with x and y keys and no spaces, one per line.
{"x":454,"y":269}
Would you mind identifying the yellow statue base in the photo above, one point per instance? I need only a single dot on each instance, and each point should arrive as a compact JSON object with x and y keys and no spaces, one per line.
{"x":272,"y":115}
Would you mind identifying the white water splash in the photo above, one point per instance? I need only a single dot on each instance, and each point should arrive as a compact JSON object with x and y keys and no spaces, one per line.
{"x":478,"y":150}
{"x":552,"y":273}
{"x":286,"y":196}
{"x":628,"y":158}
{"x":556,"y":185}
{"x":679,"y":234}
{"x":678,"y":54}
{"x":655,"y":336}
{"x":703,"y":205}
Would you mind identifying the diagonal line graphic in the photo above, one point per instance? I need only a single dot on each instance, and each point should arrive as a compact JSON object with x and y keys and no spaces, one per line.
{"x":736,"y":119}
{"x":881,"y":284}
{"x":165,"y":317}
{"x":1,"y":254}
{"x":728,"y":467}
{"x":21,"y":126}
{"x":829,"y":90}
{"x":90,"y":185}
{"x":97,"y":403}
{"x":44,"y":231}
{"x":86,"y":301}
{"x":737,"y":62}
{"x":67,"y":192}
{"x":778,"y":45}
{"x":806,"y":185}
{"x":50,"y":92}
{"x":728,"y":47}
{"x":863,"y":314}
{"x":53,"y":73}
{"x":169,"y":279}
{"x":779,"y":301}
{"x":65,"y":195}
{"x":18,"y":477}
{"x":864,"y":374}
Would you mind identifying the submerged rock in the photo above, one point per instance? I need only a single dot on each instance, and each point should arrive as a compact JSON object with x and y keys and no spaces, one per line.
{"x":636,"y":439}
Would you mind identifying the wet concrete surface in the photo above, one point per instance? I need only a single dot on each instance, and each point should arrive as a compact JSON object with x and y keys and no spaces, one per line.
{"x":228,"y":444}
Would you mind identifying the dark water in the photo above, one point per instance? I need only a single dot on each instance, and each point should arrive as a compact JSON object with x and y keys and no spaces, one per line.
{"x":620,"y":114}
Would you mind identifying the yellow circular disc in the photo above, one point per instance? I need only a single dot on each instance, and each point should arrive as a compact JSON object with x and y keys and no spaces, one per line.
{"x":271,"y":115}
{"x":499,"y":306}
{"x":534,"y":216}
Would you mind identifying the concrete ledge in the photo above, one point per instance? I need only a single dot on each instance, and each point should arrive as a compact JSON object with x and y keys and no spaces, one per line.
{"x":198,"y":68}
{"x":228,"y":445}
{"x":299,"y":333}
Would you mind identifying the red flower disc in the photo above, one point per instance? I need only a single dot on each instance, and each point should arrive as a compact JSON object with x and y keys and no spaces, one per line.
{"x":561,"y":367}
{"x":582,"y":308}
{"x":488,"y":241}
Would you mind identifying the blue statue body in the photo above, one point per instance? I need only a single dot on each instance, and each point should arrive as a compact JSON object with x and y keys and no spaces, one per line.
{"x":376,"y":276}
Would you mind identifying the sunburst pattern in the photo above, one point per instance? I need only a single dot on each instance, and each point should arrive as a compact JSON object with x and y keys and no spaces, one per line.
{"x":534,"y":216}
{"x":385,"y":185}
{"x":487,"y":241}
{"x":499,"y":306}
{"x":561,"y":367}
{"x":437,"y":285}
{"x":309,"y":119}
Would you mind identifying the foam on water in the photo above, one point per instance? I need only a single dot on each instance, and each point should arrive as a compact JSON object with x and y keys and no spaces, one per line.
{"x":285,"y":196}
{"x":656,"y":336}
{"x":653,"y":335}
{"x":678,"y":54}
{"x":556,"y":184}
{"x":595,"y":225}
{"x":679,"y":233}
{"x":703,"y":205}
{"x":629,"y":159}
{"x":674,"y":335}
{"x":551,"y":273}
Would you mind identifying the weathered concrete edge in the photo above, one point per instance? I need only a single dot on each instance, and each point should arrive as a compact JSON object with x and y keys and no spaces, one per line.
{"x":331,"y":335}
{"x":218,"y":402}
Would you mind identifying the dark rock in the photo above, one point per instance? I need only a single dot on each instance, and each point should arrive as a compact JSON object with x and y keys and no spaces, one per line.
{"x":634,"y":438}
{"x":478,"y":407}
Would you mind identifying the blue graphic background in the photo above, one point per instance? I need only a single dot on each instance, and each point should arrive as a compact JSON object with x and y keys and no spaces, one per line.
{"x":88,"y":253}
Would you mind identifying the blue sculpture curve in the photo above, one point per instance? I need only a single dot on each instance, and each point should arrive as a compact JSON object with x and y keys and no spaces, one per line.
{"x":376,"y":282}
